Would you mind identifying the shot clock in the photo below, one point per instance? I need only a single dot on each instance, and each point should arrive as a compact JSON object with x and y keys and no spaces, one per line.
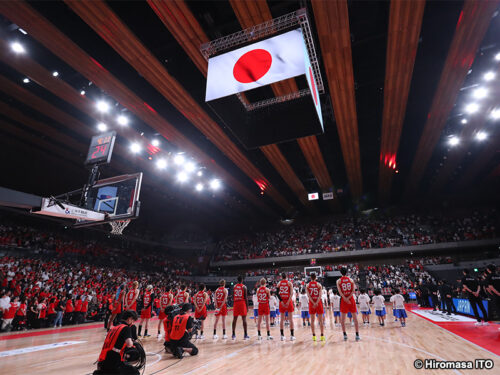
{"x":101,"y":149}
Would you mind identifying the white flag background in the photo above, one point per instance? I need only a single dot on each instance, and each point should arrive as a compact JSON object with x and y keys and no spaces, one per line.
{"x":313,"y":196}
{"x":259,"y":64}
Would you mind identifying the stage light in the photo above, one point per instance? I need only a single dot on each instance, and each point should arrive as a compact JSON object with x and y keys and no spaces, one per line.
{"x":135,"y":148}
{"x":215,"y":184}
{"x":17,"y":47}
{"x":102,"y":127}
{"x":199,"y":187}
{"x":26,"y":80}
{"x":178,"y":159}
{"x":489,"y":76}
{"x":190,"y":167}
{"x":55,"y":73}
{"x":453,"y":141}
{"x":82,"y":93}
{"x":200,"y":173}
{"x":495,"y":114}
{"x":102,"y":106}
{"x":161,"y":164}
{"x":122,"y":120}
{"x":464,"y":121}
{"x":155,"y":142}
{"x":481,"y":136}
{"x":472,"y":108}
{"x":480,"y":93}
{"x":497,"y":56}
{"x":182,"y":177}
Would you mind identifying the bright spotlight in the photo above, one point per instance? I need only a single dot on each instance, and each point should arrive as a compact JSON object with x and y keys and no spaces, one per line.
{"x":26,"y":80}
{"x":122,"y":120}
{"x":102,"y":106}
{"x":199,"y":187}
{"x":17,"y":47}
{"x":200,"y":173}
{"x":472,"y":108}
{"x":464,"y":121}
{"x":190,"y":167}
{"x":489,"y":76}
{"x":453,"y":141}
{"x":178,"y":159}
{"x":102,"y":127}
{"x":495,"y":114}
{"x":135,"y":148}
{"x":182,"y":177}
{"x":481,"y":136}
{"x":497,"y":56}
{"x":480,"y":93}
{"x":55,"y":74}
{"x":82,"y":93}
{"x":215,"y":184}
{"x":155,"y":142}
{"x":161,"y":164}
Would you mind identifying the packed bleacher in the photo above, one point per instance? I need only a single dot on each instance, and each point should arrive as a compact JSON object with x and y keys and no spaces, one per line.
{"x":341,"y":233}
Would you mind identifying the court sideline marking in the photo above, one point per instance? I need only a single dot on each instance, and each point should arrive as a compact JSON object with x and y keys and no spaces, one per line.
{"x":31,"y":349}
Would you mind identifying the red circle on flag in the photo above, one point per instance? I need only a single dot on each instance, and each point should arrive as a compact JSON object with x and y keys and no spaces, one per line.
{"x":252,"y":66}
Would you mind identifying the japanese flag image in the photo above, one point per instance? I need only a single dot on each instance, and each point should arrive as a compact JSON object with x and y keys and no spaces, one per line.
{"x":259,"y":64}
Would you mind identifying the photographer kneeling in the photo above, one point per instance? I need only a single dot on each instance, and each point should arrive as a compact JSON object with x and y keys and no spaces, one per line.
{"x":180,"y":333}
{"x":119,"y":348}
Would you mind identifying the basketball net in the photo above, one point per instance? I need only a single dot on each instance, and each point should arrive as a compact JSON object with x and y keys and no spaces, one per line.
{"x":118,"y":226}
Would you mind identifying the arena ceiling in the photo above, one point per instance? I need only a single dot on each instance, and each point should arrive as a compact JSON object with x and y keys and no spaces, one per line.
{"x":398,"y":75}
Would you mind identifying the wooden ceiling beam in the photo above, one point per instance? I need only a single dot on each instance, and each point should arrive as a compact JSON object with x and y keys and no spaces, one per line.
{"x":405,"y":22}
{"x":53,"y":39}
{"x":332,"y":24}
{"x":471,"y":27}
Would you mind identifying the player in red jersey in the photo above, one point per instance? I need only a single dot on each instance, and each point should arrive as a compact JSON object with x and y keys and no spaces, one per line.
{"x":165,"y":300}
{"x":183,"y":296}
{"x":147,"y":299}
{"x":263,"y":296}
{"x":285,"y":293}
{"x":346,"y":288}
{"x":314,"y":291}
{"x":200,"y":300}
{"x":131,"y":297}
{"x":220,"y":308}
{"x":240,"y":307}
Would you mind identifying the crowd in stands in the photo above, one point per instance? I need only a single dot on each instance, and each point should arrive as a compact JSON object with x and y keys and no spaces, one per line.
{"x":341,"y":233}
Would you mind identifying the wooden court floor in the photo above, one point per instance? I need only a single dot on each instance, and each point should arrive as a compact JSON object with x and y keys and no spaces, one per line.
{"x":382,"y":350}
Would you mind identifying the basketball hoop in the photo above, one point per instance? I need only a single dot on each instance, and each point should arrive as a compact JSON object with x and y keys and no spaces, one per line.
{"x":118,"y":226}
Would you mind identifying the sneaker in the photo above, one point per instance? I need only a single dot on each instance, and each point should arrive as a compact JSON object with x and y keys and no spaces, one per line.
{"x":259,"y":337}
{"x":224,"y":337}
{"x":292,"y":338}
{"x":146,"y":336}
{"x":314,"y":338}
{"x":486,"y":324}
{"x":358,"y":338}
{"x":202,"y":337}
{"x":246,"y":338}
{"x":322,"y":338}
{"x":216,"y":337}
{"x":178,"y":352}
{"x":269,"y":337}
{"x":283,"y":338}
{"x":345,"y":337}
{"x":233,"y":337}
{"x":478,"y":324}
{"x":397,"y":319}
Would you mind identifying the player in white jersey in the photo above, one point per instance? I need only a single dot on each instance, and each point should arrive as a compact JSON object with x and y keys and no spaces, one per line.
{"x":379,"y":305}
{"x":273,"y":305}
{"x":304,"y":308}
{"x":399,"y":307}
{"x":336,"y":307}
{"x":364,"y":306}
{"x":255,"y":303}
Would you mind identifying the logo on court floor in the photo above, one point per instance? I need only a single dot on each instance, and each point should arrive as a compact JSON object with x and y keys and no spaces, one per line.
{"x":438,"y":316}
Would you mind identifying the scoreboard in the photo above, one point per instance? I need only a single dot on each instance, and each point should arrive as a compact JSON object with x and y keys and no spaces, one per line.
{"x":101,"y":148}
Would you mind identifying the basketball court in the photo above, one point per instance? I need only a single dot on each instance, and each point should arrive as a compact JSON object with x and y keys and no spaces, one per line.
{"x":390,"y":350}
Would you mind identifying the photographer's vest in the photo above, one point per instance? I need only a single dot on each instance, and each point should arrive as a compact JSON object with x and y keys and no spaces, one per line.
{"x":179,"y":327}
{"x":110,"y":341}
{"x":167,"y":326}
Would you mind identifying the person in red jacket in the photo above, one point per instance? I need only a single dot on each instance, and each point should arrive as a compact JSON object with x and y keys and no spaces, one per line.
{"x":68,"y":313}
{"x":51,"y":311}
{"x":85,"y":308}
{"x":77,"y":314}
{"x":8,"y":315}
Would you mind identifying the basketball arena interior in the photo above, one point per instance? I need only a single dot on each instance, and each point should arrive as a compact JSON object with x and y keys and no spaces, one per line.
{"x":250,"y":187}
